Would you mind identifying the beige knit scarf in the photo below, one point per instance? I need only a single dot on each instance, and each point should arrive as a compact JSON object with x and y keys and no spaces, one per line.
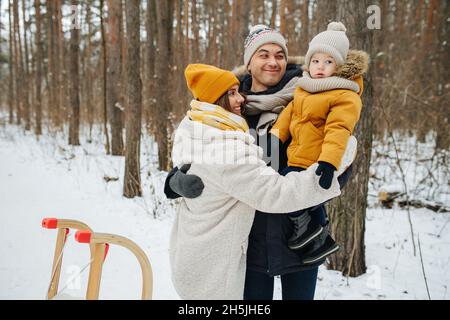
{"x":270,"y":105}
{"x":324,"y":84}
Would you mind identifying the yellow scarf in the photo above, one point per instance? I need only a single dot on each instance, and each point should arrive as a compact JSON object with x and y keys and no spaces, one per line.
{"x":216,"y":116}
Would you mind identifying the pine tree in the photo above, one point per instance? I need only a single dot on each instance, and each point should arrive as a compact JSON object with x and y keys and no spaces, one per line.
{"x":132,"y":180}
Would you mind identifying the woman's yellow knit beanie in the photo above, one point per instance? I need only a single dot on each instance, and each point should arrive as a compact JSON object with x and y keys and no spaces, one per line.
{"x":208,"y":83}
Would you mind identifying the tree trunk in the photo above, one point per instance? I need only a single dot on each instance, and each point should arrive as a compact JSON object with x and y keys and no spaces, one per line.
{"x":60,"y":65}
{"x":282,"y":15}
{"x":179,"y":89}
{"x":429,"y":24}
{"x":274,"y":14}
{"x":11,"y":65}
{"x":74,"y":124}
{"x":39,"y":58}
{"x":123,"y":54}
{"x":225,"y":25}
{"x":132,"y":179}
{"x":304,"y":31}
{"x":347,"y":213}
{"x":214,"y":48}
{"x":233,"y":31}
{"x":243,"y":20}
{"x":32,"y":74}
{"x":179,"y":34}
{"x":149,"y":89}
{"x":212,"y":54}
{"x":255,"y":12}
{"x":114,"y":77}
{"x":89,"y":74}
{"x":104,"y":78}
{"x":26,"y":70}
{"x":326,"y":11}
{"x":18,"y":63}
{"x":53,"y":60}
{"x":163,"y":59}
{"x":290,"y":32}
{"x":186,"y":33}
{"x":195,"y":32}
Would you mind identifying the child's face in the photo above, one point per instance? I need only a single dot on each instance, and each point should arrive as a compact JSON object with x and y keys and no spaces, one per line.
{"x":235,"y":99}
{"x":322,"y":65}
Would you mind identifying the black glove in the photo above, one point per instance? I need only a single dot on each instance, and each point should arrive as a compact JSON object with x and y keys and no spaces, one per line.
{"x":170,"y":194}
{"x":182,"y":184}
{"x":326,"y":171}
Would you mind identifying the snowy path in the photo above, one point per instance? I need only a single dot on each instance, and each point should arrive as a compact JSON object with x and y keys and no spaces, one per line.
{"x":47,"y":178}
{"x":35,"y":183}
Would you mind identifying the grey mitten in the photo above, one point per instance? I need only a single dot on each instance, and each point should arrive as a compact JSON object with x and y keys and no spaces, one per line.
{"x":186,"y":185}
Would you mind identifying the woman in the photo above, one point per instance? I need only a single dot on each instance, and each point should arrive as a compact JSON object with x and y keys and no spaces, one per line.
{"x":210,"y":235}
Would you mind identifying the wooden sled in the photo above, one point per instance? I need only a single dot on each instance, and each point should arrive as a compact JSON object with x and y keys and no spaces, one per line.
{"x":99,"y":245}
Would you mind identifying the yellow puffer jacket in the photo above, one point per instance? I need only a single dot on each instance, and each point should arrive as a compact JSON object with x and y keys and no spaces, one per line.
{"x":320,"y":123}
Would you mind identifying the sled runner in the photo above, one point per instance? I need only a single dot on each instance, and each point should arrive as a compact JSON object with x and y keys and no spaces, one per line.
{"x":99,"y":245}
{"x":63,"y":226}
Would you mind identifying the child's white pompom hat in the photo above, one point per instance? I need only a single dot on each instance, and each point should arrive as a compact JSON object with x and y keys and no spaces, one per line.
{"x":333,"y":41}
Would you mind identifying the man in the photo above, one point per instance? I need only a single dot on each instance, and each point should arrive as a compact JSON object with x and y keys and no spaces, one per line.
{"x":268,"y":80}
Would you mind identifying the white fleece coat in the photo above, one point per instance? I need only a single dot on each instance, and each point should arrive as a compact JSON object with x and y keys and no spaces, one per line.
{"x":209,"y":238}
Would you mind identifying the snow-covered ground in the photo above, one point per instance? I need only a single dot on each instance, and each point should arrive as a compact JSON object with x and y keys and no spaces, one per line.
{"x":47,"y":178}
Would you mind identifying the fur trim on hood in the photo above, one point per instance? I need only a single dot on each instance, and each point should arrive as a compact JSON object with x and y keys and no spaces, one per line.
{"x":356,"y":64}
{"x":241,"y":70}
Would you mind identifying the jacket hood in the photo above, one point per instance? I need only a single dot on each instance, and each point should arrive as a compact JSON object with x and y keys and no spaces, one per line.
{"x":355,"y":66}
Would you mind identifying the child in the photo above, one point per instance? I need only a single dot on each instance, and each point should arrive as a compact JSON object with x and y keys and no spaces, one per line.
{"x":320,"y":120}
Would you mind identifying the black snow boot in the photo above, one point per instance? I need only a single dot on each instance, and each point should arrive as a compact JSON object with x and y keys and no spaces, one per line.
{"x":321,"y":247}
{"x":305,"y":230}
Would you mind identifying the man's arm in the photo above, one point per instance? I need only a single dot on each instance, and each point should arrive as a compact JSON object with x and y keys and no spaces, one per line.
{"x":180,"y":184}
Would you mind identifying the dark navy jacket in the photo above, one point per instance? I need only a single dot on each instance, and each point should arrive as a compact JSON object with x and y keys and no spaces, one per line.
{"x":267,"y":248}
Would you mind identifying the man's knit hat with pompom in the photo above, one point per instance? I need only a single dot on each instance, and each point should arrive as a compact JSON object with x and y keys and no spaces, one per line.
{"x":260,"y":35}
{"x":333,"y":41}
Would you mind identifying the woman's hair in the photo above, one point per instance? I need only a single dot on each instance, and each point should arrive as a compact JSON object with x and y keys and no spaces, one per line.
{"x":224,"y":102}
